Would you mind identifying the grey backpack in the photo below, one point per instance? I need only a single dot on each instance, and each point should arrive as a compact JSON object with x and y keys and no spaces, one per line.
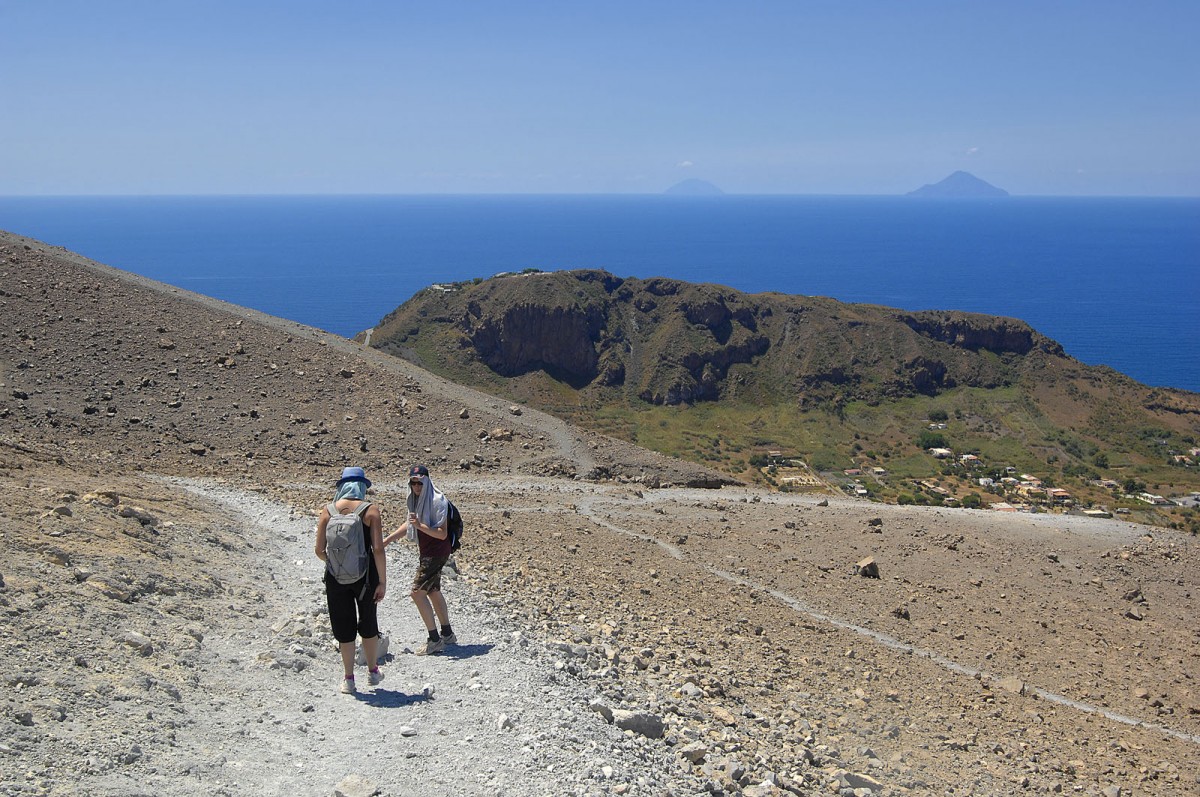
{"x":346,"y":553}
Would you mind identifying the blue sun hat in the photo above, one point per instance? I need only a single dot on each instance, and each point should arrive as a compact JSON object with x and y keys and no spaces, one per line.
{"x":354,"y":475}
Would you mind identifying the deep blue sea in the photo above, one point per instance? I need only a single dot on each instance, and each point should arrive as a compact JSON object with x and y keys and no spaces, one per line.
{"x":1115,"y":280}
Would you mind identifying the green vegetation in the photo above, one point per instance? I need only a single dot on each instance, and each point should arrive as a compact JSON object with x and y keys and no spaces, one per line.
{"x":720,"y":378}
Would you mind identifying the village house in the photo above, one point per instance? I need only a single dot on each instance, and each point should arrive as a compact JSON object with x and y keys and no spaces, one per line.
{"x":941,"y":453}
{"x":1058,"y":495}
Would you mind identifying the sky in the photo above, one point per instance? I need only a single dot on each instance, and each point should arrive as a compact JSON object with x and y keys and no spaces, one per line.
{"x":1039,"y":97}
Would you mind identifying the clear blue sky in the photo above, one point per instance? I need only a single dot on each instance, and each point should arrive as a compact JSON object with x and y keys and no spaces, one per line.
{"x":779,"y":96}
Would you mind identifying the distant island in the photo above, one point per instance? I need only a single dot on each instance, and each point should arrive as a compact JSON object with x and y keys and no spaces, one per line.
{"x":694,"y":187}
{"x":960,"y":185}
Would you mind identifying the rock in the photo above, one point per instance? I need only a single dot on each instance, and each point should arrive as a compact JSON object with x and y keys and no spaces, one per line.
{"x":1012,"y":684}
{"x":355,"y":786}
{"x":139,"y":642}
{"x":407,"y":730}
{"x":360,"y":658}
{"x":1133,"y":613}
{"x":640,"y":722}
{"x":601,"y":709}
{"x":102,"y":498}
{"x":515,"y":410}
{"x":110,"y":589}
{"x":723,"y":716}
{"x":694,"y":752}
{"x":900,"y":612}
{"x":1111,"y":791}
{"x":857,"y":780}
{"x":823,"y":502}
{"x":501,"y":434}
{"x":867,"y":568}
{"x":504,"y":722}
{"x":138,"y":514}
{"x":464,"y":413}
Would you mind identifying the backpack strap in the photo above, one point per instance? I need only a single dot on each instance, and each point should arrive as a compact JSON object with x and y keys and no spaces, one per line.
{"x":359,"y":510}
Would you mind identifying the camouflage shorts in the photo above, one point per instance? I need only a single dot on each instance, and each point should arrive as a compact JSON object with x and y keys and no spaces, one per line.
{"x":429,"y":573}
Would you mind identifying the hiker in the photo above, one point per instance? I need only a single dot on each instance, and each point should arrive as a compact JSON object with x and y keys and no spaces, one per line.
{"x":427,"y":511}
{"x":352,"y":599}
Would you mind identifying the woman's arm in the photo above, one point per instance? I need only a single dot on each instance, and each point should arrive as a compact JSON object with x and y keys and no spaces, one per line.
{"x":321,"y":523}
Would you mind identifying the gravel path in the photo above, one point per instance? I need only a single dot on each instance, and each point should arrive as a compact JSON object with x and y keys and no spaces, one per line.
{"x":494,"y":716}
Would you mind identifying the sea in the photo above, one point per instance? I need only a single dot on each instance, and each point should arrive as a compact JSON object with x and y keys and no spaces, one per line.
{"x":1116,"y":281}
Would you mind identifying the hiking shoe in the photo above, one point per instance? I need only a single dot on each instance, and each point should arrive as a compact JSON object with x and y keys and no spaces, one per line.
{"x":374,"y":677}
{"x":450,"y":639}
{"x":430,"y":647}
{"x":348,"y":687}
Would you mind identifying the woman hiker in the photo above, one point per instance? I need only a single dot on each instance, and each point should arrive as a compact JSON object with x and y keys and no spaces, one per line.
{"x":350,"y":542}
{"x":427,"y":525}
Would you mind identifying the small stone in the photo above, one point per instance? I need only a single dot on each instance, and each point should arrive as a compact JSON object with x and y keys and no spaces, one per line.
{"x":139,"y":642}
{"x":1012,"y":684}
{"x":355,"y":786}
{"x":601,"y":709}
{"x":640,"y":722}
{"x":138,"y":514}
{"x":694,"y":752}
{"x":867,"y":568}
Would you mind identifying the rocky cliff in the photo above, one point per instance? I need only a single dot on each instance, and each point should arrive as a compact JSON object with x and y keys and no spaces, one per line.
{"x":670,"y":342}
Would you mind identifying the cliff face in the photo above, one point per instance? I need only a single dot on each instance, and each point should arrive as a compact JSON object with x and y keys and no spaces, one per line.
{"x":670,"y":342}
{"x":531,"y":336}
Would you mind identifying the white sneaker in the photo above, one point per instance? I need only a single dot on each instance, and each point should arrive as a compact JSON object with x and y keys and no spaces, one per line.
{"x":374,"y":677}
{"x":348,"y":687}
{"x":429,"y":648}
{"x":450,"y":639}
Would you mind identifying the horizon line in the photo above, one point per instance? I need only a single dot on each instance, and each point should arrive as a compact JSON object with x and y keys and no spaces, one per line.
{"x":663,"y":194}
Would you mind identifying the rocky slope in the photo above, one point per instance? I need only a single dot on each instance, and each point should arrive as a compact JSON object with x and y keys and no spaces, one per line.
{"x":165,"y":635}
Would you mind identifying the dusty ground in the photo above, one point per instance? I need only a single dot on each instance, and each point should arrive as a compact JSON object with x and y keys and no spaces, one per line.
{"x":995,"y":654}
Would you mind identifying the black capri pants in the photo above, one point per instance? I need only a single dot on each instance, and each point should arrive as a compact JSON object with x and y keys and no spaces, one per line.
{"x":348,"y":613}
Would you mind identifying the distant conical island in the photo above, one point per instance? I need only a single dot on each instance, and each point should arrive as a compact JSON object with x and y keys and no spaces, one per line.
{"x":694,"y":187}
{"x":960,"y":185}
